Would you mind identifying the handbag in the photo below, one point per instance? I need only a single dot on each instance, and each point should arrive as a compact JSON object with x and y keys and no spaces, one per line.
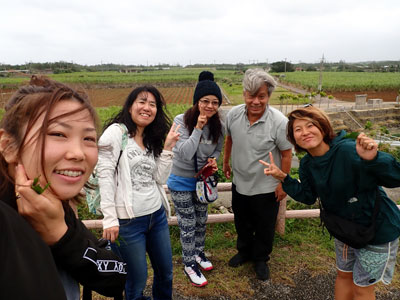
{"x":105,"y":286}
{"x":206,"y":185}
{"x":353,"y":234}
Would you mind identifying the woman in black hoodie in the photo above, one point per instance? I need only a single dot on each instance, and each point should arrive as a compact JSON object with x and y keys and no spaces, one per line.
{"x":48,"y":146}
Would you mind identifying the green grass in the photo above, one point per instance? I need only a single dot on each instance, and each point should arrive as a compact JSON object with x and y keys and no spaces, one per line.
{"x":345,"y":81}
{"x":229,"y":80}
{"x":235,"y":94}
{"x":174,"y":75}
{"x":106,"y":113}
{"x":303,"y":246}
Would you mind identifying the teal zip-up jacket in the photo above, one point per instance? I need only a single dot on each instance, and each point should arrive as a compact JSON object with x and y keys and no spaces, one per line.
{"x":347,"y":185}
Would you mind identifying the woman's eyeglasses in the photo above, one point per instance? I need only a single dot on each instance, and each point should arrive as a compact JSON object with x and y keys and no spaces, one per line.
{"x":207,"y":102}
{"x":307,"y":105}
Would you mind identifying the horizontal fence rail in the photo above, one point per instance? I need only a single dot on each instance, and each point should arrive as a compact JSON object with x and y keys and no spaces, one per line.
{"x":224,"y":218}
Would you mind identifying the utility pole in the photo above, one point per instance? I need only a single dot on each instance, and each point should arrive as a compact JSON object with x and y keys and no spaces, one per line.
{"x":321,"y":67}
{"x":285,"y":65}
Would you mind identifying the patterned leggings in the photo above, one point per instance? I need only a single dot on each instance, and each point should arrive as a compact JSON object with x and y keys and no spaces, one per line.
{"x":192,"y":218}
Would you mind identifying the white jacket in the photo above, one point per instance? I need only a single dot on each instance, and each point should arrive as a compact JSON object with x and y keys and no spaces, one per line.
{"x":116,"y":189}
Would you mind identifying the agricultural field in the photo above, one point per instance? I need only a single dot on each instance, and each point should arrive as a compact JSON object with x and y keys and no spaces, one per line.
{"x":112,"y":88}
{"x":173,"y":76}
{"x":177,"y":84}
{"x":344,"y":85}
{"x":102,"y":97}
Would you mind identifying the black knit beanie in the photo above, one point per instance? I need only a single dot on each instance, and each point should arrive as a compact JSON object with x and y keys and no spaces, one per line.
{"x":206,"y":86}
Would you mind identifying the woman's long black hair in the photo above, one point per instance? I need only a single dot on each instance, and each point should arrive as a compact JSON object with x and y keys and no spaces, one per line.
{"x":154,"y":134}
{"x":190,"y":120}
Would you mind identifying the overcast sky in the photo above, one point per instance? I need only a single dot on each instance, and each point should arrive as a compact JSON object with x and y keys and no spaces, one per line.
{"x":187,"y":32}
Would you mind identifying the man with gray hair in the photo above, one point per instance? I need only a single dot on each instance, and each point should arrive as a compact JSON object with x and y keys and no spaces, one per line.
{"x":255,"y":129}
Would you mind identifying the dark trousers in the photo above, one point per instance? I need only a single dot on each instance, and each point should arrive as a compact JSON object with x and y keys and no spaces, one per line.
{"x":255,"y":219}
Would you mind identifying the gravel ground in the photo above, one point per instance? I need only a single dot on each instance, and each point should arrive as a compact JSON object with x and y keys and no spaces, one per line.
{"x":305,"y":287}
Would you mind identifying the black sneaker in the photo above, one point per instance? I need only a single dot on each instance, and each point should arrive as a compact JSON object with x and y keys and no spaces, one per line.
{"x":262,"y":270}
{"x":237,"y":260}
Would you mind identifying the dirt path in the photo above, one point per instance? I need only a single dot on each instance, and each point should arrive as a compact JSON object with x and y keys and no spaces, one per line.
{"x":304,"y":287}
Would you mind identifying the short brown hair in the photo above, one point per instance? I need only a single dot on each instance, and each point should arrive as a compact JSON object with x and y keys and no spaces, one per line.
{"x":314,"y":115}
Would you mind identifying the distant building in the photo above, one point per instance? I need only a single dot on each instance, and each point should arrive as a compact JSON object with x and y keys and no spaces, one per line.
{"x":130,"y":70}
{"x":14,"y":73}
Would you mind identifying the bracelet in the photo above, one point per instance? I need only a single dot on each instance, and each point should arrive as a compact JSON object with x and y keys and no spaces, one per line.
{"x":212,"y":157}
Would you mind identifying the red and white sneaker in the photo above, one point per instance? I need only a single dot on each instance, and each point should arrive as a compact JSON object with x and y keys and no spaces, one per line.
{"x":195,"y":276}
{"x":203,"y":262}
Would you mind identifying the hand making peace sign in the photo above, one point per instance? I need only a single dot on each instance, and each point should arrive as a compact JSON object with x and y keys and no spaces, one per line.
{"x":202,"y":119}
{"x":272,"y":169}
{"x":172,"y":137}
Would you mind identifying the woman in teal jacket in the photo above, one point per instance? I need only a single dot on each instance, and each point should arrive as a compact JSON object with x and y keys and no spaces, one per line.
{"x":346,"y":175}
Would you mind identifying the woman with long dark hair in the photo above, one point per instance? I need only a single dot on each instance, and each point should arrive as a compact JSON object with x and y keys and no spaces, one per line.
{"x":133,"y":201}
{"x":201,"y":139}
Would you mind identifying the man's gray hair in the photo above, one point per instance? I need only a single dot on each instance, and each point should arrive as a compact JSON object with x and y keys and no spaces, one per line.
{"x":255,"y":78}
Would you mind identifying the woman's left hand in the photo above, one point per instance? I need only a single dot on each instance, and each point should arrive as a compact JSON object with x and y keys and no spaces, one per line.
{"x":44,"y":212}
{"x":366,"y":147}
{"x":213,"y":162}
{"x":272,"y":169}
{"x":172,"y":137}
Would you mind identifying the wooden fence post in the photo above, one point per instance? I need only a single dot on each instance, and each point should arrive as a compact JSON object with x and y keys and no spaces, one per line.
{"x":280,"y":220}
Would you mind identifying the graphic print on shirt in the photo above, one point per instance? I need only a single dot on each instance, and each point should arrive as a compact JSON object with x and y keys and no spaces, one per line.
{"x":205,"y":141}
{"x":142,"y":167}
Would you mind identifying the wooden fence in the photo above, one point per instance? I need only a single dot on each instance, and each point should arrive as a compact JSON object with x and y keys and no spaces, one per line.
{"x":283,"y":214}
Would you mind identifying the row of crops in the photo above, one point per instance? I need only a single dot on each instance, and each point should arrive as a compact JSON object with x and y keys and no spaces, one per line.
{"x":176,"y":75}
{"x":228,"y":79}
{"x":344,"y":81}
{"x":178,"y":95}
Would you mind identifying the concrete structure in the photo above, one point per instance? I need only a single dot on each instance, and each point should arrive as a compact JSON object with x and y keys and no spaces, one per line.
{"x":375,"y":102}
{"x":361,"y":100}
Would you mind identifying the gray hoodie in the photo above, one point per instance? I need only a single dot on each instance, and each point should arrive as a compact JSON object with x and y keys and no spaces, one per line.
{"x":188,"y":145}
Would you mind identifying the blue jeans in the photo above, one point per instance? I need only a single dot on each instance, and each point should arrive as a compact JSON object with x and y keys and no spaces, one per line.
{"x":71,"y":286}
{"x":147,"y":233}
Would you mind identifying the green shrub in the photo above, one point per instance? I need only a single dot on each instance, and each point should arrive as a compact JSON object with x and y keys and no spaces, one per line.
{"x":368,"y":125}
{"x":384,"y":130}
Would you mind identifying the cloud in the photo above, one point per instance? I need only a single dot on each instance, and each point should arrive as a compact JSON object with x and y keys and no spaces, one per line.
{"x":153,"y":31}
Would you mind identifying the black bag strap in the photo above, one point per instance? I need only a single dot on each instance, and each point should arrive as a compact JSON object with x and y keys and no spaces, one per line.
{"x":196,"y":168}
{"x":119,"y":157}
{"x":87,"y":293}
{"x":123,"y":146}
